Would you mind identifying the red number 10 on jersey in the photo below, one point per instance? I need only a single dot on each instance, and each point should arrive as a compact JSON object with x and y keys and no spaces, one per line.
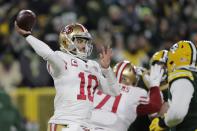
{"x":91,"y":78}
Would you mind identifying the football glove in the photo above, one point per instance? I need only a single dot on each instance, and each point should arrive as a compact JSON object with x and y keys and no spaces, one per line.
{"x":158,"y":124}
{"x":155,"y":76}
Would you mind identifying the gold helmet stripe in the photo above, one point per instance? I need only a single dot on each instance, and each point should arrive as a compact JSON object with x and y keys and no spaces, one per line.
{"x":120,"y":69}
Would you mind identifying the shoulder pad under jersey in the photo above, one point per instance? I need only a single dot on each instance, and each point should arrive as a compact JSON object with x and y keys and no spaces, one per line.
{"x":181,"y":73}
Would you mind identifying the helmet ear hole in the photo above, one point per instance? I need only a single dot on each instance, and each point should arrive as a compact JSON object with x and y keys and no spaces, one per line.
{"x":171,"y":62}
{"x":134,"y":83}
{"x":73,"y":38}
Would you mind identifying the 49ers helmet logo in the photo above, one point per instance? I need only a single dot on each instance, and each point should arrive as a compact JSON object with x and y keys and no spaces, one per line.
{"x":68,"y":30}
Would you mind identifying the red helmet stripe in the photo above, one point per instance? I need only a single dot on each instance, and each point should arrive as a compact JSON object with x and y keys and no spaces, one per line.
{"x":120,"y":79}
{"x":120,"y":70}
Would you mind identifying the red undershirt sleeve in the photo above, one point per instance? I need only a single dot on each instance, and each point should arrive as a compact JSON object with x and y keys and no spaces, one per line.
{"x":154,"y":104}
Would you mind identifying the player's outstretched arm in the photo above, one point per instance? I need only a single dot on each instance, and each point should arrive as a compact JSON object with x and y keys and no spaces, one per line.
{"x":151,"y":103}
{"x":155,"y":102}
{"x":41,"y":49}
{"x":108,"y":81}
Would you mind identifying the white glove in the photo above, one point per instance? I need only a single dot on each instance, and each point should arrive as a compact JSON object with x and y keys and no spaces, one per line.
{"x":155,"y":76}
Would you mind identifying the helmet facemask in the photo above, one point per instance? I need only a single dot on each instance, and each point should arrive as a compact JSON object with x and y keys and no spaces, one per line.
{"x":81,"y":47}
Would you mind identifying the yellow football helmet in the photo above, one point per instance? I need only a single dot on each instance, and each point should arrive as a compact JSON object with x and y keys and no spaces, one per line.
{"x":68,"y":40}
{"x":159,"y":57}
{"x":126,"y":73}
{"x":182,"y":55}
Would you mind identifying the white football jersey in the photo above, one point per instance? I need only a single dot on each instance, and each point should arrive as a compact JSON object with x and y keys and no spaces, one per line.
{"x":117,"y":113}
{"x":74,"y":89}
{"x":75,"y":81}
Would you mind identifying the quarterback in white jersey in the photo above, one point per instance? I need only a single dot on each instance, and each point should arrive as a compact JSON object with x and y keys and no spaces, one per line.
{"x":75,"y":77}
{"x":117,"y":113}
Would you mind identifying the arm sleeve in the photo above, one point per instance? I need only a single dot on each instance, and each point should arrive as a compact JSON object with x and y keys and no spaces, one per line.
{"x":182,"y":91}
{"x":46,"y":53}
{"x":153,"y":105}
{"x":108,"y":82}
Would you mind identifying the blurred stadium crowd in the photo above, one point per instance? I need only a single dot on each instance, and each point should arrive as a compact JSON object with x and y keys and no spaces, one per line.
{"x":134,"y":28}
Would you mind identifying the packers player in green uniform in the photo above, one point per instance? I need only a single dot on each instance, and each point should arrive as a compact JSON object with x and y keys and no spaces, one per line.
{"x":182,"y":78}
{"x":142,"y":122}
{"x":10,"y":118}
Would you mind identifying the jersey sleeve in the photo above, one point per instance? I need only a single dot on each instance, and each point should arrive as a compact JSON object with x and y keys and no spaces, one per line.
{"x":151,"y":103}
{"x":182,"y":90}
{"x":47,"y":54}
{"x":107,"y":80}
{"x":108,"y":83}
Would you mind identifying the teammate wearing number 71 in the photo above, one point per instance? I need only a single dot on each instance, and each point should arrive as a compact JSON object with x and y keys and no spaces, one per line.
{"x":117,"y":113}
{"x":75,"y":77}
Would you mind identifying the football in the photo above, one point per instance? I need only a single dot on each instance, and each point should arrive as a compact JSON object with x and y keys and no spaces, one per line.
{"x":26,"y":19}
